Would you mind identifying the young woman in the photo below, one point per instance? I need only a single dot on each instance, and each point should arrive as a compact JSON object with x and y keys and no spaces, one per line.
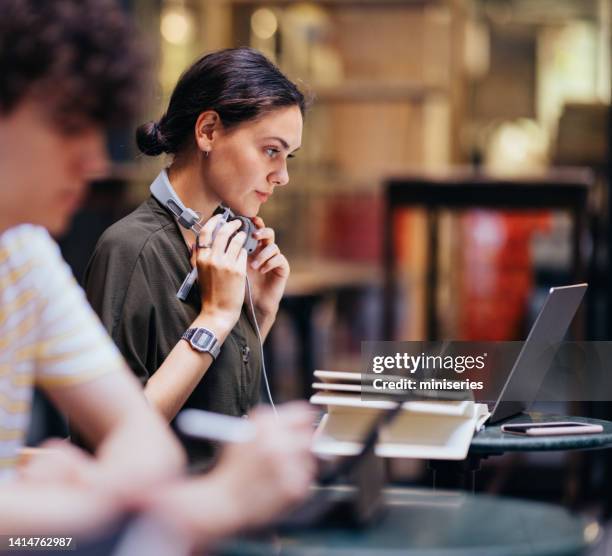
{"x":232,"y":122}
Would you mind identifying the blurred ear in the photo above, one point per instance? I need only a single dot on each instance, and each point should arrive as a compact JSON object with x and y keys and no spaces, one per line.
{"x":208,"y":125}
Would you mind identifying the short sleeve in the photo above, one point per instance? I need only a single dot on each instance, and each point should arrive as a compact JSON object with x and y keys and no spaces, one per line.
{"x":71,"y":344}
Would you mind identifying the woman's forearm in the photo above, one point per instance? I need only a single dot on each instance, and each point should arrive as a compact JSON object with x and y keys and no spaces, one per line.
{"x":172,"y":384}
{"x":175,"y":380}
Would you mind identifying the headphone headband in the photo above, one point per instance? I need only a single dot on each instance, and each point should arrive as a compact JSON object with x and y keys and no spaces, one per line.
{"x":162,"y":190}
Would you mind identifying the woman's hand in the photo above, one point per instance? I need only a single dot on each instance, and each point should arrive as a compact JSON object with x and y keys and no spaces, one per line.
{"x":268,"y":272}
{"x":221,"y":268}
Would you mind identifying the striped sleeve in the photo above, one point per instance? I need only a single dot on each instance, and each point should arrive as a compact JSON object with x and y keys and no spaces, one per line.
{"x":72,"y":346}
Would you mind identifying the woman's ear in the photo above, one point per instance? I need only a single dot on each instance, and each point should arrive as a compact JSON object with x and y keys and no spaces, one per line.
{"x":207,"y":126}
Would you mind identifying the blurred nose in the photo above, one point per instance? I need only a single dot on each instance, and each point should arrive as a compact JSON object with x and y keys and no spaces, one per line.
{"x":93,"y":160}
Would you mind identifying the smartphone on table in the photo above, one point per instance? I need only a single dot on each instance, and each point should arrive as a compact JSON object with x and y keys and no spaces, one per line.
{"x":553,"y":428}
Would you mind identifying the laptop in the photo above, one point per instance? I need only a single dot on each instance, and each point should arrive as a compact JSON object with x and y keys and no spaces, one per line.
{"x":529,"y":369}
{"x":532,"y":364}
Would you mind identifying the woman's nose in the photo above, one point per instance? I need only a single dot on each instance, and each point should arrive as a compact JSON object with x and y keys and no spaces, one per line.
{"x":281,"y":177}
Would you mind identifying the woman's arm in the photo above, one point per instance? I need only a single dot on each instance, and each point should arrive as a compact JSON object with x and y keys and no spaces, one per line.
{"x":171,"y":385}
{"x":221,"y":272}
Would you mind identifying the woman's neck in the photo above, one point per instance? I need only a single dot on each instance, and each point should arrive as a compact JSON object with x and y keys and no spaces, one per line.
{"x":186,"y":179}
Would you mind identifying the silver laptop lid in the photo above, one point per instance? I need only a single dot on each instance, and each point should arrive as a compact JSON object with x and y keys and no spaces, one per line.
{"x":533,"y":361}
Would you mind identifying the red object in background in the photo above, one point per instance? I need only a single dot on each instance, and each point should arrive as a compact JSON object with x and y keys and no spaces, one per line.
{"x":497,"y":273}
{"x":496,"y":269}
{"x":352,"y":227}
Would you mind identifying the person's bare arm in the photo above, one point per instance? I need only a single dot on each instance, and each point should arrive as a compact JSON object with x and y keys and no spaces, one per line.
{"x":172,"y":384}
{"x":134,"y":446}
{"x":54,"y":509}
{"x":252,"y":483}
{"x":222,"y":272}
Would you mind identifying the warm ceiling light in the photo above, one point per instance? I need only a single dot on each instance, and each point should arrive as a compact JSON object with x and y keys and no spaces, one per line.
{"x":264,"y":23}
{"x":176,"y":26}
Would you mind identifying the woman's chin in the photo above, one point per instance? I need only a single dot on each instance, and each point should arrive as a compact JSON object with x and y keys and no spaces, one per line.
{"x":246,"y":205}
{"x":249,"y":210}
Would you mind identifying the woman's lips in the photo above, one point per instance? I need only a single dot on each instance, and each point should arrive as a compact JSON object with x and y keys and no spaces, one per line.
{"x":263,"y":197}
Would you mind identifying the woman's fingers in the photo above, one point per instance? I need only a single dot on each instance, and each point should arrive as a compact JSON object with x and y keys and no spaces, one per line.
{"x":220,"y":243}
{"x":258,"y":221}
{"x":242,"y":259}
{"x":264,"y":255}
{"x":265,"y":235}
{"x":278,"y":261}
{"x":235,"y":245}
{"x":205,"y":237}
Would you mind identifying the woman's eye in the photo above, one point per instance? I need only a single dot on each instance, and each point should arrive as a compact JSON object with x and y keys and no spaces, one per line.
{"x":272,"y":152}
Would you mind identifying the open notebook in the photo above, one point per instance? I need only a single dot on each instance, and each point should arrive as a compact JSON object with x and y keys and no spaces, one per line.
{"x":424,"y":429}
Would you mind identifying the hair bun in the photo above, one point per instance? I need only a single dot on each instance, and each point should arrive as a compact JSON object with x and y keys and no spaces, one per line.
{"x":150,"y":139}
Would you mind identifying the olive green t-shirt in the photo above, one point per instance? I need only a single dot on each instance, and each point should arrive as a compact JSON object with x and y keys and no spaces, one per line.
{"x":131,"y":281}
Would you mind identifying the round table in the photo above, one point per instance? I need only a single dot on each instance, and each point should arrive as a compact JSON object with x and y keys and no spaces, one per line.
{"x":424,"y":523}
{"x":491,"y":440}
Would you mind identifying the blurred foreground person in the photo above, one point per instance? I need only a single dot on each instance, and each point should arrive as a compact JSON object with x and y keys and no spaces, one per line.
{"x":70,"y":71}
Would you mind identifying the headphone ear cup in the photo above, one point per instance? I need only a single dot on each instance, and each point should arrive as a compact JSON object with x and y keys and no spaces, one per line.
{"x":249,"y":229}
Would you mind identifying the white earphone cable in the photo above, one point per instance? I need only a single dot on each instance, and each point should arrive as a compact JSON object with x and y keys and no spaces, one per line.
{"x":263,"y":363}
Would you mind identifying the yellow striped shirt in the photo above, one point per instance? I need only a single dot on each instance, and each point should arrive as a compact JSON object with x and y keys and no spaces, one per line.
{"x":49,"y":335}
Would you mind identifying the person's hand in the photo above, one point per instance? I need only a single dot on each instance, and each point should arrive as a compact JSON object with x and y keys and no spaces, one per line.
{"x":268,"y":271}
{"x":274,"y":470}
{"x":65,"y":491}
{"x":252,"y":483}
{"x":59,"y":462}
{"x":221,"y":268}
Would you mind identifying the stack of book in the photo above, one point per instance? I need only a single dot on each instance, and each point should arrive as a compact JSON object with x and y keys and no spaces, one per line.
{"x":424,"y":429}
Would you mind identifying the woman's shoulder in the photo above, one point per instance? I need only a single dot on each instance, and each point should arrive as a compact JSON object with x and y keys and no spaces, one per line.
{"x":139,"y":230}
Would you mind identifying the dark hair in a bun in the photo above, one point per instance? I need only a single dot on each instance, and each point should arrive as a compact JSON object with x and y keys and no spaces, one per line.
{"x":240,"y":84}
{"x":150,"y":139}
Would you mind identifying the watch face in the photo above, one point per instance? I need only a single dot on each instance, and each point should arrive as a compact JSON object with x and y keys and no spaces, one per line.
{"x":202,"y":338}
